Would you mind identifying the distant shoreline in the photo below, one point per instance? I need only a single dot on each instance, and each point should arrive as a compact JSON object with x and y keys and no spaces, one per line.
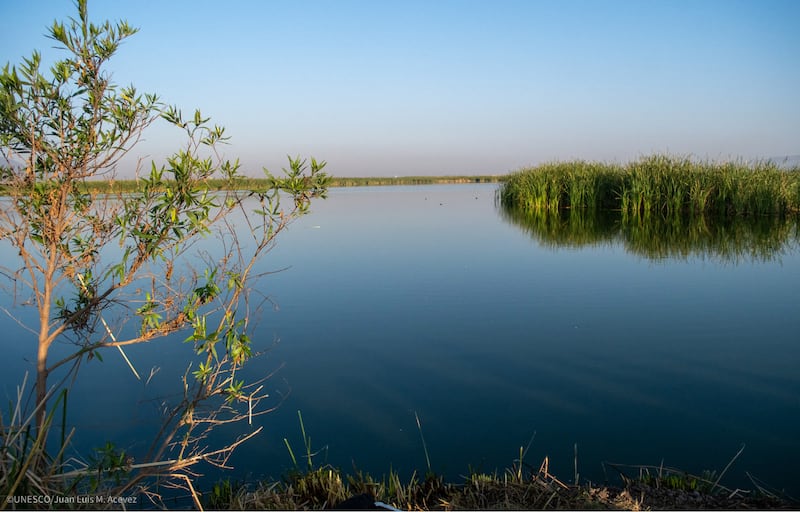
{"x":414,"y":180}
{"x":129,"y":186}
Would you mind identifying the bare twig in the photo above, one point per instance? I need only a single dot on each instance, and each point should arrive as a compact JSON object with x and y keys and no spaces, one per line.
{"x":727,"y":467}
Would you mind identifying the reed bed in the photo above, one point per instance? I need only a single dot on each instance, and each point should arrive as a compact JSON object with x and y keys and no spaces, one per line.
{"x":657,"y":184}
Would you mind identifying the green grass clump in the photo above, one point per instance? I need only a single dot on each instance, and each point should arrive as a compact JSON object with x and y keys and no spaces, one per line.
{"x":657,"y":184}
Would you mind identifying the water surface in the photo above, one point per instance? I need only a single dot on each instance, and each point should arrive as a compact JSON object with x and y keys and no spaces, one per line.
{"x":423,"y":299}
{"x":428,"y":300}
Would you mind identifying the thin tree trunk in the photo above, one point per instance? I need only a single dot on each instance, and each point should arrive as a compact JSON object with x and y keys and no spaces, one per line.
{"x":41,"y":382}
{"x":45,"y":339}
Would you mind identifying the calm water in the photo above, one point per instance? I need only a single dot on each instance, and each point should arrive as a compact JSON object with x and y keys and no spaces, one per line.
{"x":426,"y":300}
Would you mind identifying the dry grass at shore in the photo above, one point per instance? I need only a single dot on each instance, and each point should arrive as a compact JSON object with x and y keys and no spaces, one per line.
{"x":328,"y":488}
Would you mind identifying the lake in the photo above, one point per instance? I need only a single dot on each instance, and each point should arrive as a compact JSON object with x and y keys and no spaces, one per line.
{"x":429,"y":302}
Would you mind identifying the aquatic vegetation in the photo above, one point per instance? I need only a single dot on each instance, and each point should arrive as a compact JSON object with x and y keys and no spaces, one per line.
{"x":659,"y":207}
{"x":658,"y":184}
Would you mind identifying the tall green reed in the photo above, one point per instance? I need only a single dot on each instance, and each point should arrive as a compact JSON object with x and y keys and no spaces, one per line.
{"x":658,"y":184}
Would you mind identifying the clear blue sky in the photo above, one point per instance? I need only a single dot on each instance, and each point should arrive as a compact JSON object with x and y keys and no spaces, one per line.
{"x":457,"y":87}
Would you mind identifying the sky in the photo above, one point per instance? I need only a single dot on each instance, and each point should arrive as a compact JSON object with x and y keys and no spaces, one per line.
{"x":439,"y":87}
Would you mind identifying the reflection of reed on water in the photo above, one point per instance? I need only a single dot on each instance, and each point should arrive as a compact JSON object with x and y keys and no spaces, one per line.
{"x":657,"y":236}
